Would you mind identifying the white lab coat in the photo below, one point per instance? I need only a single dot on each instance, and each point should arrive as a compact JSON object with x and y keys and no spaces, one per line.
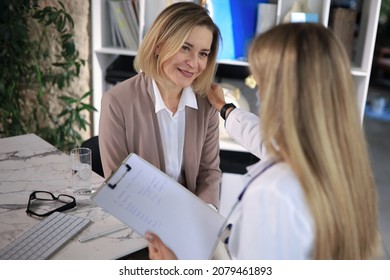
{"x":272,"y":220}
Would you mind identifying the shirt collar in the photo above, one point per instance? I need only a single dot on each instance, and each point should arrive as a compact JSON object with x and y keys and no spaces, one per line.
{"x":187,"y":99}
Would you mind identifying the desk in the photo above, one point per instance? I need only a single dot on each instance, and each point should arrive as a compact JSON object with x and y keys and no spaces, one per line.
{"x":231,"y":187}
{"x":29,"y":163}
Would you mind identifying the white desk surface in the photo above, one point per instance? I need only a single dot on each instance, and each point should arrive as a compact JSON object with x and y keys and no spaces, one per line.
{"x":231,"y":187}
{"x":228,"y":144}
{"x":28,"y":163}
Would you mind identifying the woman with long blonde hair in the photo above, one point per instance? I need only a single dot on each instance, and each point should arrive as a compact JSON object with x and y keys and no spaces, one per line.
{"x":312,"y":195}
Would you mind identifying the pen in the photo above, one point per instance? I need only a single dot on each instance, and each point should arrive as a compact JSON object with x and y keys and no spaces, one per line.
{"x":101,"y":234}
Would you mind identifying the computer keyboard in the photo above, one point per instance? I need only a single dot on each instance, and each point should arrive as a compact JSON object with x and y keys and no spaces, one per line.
{"x":45,"y":238}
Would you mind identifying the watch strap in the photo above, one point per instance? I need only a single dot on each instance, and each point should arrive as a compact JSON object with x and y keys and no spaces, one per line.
{"x":225,"y":108}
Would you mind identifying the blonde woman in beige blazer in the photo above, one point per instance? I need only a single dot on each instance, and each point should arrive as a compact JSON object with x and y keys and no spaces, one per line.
{"x":176,"y":62}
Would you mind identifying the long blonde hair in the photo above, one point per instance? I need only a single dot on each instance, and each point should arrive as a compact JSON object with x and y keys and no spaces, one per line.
{"x":308,"y":108}
{"x":169,"y":32}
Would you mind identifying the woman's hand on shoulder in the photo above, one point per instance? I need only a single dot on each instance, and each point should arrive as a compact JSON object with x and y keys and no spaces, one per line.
{"x":157,"y":249}
{"x":216,"y":96}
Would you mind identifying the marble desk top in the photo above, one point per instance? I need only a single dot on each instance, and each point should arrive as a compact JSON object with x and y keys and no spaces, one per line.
{"x":28,"y":163}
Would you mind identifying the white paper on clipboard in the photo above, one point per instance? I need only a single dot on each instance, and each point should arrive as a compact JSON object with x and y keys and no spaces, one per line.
{"x":146,"y":199}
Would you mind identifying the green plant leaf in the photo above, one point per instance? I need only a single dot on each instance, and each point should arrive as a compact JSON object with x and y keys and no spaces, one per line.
{"x":36,"y":69}
{"x":68,"y":99}
{"x":88,"y":93}
{"x":88,"y":107}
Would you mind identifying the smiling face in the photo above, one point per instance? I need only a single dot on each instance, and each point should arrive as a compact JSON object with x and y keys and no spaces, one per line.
{"x":190,"y":61}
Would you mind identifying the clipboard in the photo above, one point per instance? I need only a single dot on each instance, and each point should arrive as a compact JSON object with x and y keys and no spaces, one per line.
{"x":146,"y":199}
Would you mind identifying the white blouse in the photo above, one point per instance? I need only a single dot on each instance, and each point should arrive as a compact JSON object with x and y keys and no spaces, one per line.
{"x":172,"y":129}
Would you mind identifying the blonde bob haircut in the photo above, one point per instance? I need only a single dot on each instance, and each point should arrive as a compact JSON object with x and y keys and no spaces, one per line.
{"x":310,"y":120}
{"x":169,"y":32}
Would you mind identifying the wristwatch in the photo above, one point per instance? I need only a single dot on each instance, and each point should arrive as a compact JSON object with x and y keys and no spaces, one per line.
{"x":225,"y":108}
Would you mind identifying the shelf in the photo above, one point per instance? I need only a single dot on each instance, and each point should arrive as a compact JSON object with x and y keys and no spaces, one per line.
{"x":232,"y":62}
{"x":104,"y":54}
{"x":358,"y":72}
{"x":115,"y":50}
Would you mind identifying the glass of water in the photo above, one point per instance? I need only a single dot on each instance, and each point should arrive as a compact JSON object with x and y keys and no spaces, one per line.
{"x":81,"y":168}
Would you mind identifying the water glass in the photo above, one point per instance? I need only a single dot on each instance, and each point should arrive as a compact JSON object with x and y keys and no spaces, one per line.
{"x":81,"y":169}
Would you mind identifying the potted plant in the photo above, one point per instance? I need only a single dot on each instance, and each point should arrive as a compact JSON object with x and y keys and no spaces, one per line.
{"x":38,"y":63}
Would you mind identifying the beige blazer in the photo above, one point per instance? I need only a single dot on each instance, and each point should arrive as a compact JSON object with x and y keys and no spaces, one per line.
{"x":128,"y":123}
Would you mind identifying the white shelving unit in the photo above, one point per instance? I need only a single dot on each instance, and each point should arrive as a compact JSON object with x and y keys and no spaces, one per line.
{"x":104,"y":53}
{"x":361,"y":67}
